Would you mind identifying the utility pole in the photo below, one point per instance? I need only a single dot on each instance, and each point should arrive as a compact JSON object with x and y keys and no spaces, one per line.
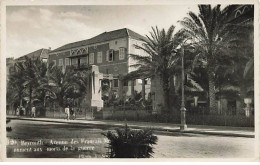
{"x":183,"y":126}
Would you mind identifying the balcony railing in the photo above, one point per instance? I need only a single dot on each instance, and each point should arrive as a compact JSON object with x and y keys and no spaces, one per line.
{"x":81,"y":66}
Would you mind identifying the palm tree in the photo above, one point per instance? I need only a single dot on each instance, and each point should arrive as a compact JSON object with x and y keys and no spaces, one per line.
{"x":15,"y":89}
{"x":214,"y":38}
{"x":67,"y":85}
{"x":42,"y":89}
{"x":160,"y":59}
{"x":31,"y":81}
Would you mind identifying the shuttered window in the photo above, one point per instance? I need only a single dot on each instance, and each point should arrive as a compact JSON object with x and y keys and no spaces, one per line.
{"x":121,"y":53}
{"x":99,"y":57}
{"x":54,"y":62}
{"x":67,"y":61}
{"x":60,"y":62}
{"x":91,"y":58}
{"x":110,"y":55}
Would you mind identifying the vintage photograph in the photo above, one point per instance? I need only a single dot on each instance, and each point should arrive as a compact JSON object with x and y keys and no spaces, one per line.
{"x":130,"y":81}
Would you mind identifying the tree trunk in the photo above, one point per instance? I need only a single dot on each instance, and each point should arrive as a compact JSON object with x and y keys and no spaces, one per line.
{"x":132,"y":89}
{"x":166,"y":93}
{"x":143,"y":89}
{"x":21,"y":101}
{"x":157,"y":94}
{"x":30,"y":101}
{"x":212,"y":95}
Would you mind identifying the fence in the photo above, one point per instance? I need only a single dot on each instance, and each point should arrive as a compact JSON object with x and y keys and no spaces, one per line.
{"x":144,"y":115}
{"x":191,"y":119}
{"x":60,"y":113}
{"x":220,"y":120}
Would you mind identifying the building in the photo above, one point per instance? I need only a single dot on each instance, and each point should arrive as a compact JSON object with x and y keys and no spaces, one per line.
{"x":109,"y":51}
{"x":41,"y":53}
{"x":10,"y":62}
{"x":9,"y":66}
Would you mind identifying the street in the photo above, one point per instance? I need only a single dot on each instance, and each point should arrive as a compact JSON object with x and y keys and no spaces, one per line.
{"x":59,"y":140}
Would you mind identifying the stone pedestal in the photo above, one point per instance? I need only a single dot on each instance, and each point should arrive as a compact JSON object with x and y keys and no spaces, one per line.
{"x":96,"y":93}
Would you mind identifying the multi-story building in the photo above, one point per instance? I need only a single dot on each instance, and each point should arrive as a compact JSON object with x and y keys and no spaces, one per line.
{"x":10,"y":62}
{"x":110,"y":52}
{"x":41,"y":53}
{"x":9,"y":66}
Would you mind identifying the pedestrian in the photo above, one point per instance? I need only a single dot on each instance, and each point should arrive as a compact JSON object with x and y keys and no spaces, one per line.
{"x":18,"y":111}
{"x":21,"y":111}
{"x":73,"y":115}
{"x":67,"y":112}
{"x":24,"y":112}
{"x":33,"y":113}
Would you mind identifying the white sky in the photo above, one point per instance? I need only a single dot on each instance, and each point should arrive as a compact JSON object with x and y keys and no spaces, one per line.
{"x":34,"y":27}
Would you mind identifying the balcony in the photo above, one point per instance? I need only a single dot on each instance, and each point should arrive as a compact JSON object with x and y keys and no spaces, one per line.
{"x":83,"y":66}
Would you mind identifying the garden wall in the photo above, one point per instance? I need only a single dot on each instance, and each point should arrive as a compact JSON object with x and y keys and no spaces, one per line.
{"x":60,"y":114}
{"x":191,"y":119}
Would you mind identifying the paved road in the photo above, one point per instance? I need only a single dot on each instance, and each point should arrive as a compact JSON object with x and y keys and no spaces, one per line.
{"x":57,"y":139}
{"x":198,"y":129}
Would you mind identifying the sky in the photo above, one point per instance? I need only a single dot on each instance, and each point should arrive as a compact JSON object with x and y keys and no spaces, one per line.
{"x":29,"y":28}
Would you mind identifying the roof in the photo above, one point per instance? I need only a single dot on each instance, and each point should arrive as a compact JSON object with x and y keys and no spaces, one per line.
{"x":106,"y":36}
{"x":41,"y":53}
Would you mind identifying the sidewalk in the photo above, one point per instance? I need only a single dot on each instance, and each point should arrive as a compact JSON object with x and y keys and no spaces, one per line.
{"x":196,"y":129}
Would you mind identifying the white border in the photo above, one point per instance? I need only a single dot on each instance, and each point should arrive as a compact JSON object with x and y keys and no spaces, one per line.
{"x":5,"y":3}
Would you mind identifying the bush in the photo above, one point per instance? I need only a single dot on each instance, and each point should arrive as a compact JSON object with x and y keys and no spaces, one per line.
{"x":129,"y":143}
{"x":8,"y":129}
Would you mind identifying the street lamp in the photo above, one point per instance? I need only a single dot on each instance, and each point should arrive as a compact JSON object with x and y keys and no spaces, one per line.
{"x":183,"y":126}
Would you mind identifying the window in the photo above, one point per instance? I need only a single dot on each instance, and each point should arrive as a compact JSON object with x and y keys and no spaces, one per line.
{"x":115,"y":83}
{"x":60,"y":62}
{"x":121,"y":53}
{"x":110,"y":55}
{"x":74,"y":61}
{"x":125,"y":83}
{"x":91,"y":58}
{"x":67,"y":61}
{"x":145,"y":81}
{"x":99,"y":57}
{"x":95,"y":46}
{"x":54,"y":62}
{"x":83,"y":61}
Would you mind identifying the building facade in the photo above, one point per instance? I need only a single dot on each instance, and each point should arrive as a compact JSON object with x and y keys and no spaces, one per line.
{"x":9,"y":66}
{"x":42,"y":54}
{"x":110,"y":52}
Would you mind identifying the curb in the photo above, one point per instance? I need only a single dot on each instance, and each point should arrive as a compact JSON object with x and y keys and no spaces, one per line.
{"x":139,"y":127}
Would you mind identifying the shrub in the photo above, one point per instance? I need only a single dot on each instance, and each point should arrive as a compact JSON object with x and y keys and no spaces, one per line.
{"x":8,"y":129}
{"x":130,"y":143}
